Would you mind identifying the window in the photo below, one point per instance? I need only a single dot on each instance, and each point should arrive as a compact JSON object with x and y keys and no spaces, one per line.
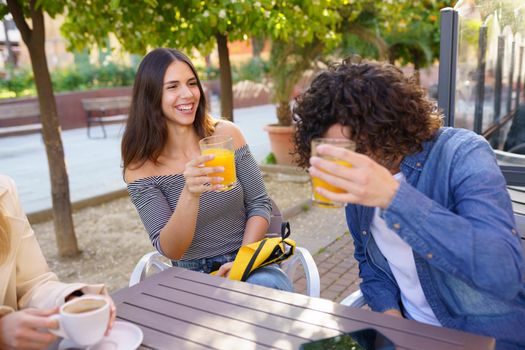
{"x":481,"y":80}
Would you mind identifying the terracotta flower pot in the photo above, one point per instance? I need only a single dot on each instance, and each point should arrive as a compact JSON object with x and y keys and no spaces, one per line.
{"x":281,"y":143}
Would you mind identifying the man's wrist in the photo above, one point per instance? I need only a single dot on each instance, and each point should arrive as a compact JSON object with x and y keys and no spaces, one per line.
{"x":393,"y":312}
{"x":391,"y":194}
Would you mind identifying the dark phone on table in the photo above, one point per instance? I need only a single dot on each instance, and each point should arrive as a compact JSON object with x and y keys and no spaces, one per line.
{"x":364,"y":339}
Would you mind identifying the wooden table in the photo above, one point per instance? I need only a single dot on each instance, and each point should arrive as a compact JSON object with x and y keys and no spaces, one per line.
{"x":181,"y":309}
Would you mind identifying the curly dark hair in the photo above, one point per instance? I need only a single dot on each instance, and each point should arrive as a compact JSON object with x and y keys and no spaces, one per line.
{"x":388,"y":114}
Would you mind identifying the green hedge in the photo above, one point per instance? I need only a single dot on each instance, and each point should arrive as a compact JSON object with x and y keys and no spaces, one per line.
{"x":20,"y":84}
{"x":87,"y":77}
{"x":255,"y":70}
{"x":75,"y":78}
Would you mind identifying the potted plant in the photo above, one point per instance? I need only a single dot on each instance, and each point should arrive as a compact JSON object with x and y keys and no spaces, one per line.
{"x":288,"y":62}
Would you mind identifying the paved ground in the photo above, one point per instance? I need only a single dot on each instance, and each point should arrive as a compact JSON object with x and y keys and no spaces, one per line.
{"x":338,"y":270}
{"x":94,"y":170}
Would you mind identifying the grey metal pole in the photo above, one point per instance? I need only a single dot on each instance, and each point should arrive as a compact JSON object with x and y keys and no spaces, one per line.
{"x":448,"y":49}
{"x":511,"y":77}
{"x":518,"y":84}
{"x":480,"y":77}
{"x":497,"y":87}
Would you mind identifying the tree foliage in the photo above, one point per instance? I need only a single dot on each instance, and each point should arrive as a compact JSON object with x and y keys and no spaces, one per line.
{"x":411,"y":30}
{"x":200,"y":24}
{"x":315,"y":31}
{"x":194,"y":24}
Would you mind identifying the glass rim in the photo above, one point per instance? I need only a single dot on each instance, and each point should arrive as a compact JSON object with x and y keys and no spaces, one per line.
{"x":215,"y":140}
{"x":332,"y":140}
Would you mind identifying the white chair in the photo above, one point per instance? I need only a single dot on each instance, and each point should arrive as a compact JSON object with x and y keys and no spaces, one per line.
{"x":154,"y":262}
{"x":356,"y":299}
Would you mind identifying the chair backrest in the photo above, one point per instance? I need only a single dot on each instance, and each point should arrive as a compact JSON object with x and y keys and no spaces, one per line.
{"x":520,"y":225}
{"x":511,"y":165}
{"x":276,"y":219}
{"x":106,"y":103}
{"x":19,"y":110}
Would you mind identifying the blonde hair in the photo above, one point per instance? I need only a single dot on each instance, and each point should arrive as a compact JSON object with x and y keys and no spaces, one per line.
{"x":5,"y":237}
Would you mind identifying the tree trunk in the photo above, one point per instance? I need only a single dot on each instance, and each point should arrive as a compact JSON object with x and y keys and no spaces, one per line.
{"x":226,"y":78}
{"x":257,"y":46}
{"x":10,"y":62}
{"x":35,"y":41}
{"x":417,"y":76}
{"x":284,"y":113}
{"x":391,"y":56}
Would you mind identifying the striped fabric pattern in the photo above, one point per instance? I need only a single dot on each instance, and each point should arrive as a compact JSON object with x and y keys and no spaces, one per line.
{"x":222,"y":216}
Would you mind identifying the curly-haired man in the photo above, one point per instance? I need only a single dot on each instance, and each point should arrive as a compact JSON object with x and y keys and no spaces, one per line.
{"x":427,"y":206}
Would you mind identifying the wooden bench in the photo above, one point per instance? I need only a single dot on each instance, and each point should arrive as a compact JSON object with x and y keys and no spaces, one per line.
{"x":103,"y":110}
{"x":25,"y":116}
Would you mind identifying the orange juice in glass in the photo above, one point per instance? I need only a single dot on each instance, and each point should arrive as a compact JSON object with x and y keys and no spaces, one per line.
{"x":222,"y":147}
{"x":318,"y":199}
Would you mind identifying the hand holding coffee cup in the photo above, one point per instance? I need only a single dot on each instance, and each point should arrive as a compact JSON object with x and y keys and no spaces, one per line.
{"x":27,"y":328}
{"x":83,"y":320}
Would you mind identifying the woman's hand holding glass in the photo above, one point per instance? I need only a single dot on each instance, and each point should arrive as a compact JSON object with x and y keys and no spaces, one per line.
{"x":366,"y":182}
{"x":196,"y":176}
{"x":221,"y":146}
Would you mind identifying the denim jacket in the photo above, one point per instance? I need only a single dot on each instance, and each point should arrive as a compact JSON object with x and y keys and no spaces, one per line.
{"x":455,"y":213}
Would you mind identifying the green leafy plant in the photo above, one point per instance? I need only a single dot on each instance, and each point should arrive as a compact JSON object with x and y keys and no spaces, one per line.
{"x":207,"y":72}
{"x":211,"y":73}
{"x":254,"y":70}
{"x":270,"y":159}
{"x":20,"y":83}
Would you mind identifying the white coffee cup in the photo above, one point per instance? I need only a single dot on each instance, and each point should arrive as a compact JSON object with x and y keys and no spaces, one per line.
{"x":83,"y":320}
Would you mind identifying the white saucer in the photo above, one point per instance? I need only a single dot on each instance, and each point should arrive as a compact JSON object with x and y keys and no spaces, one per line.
{"x":123,"y":336}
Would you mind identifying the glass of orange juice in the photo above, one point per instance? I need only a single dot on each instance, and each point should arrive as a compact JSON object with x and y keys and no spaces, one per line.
{"x":319,"y":200}
{"x":222,"y":147}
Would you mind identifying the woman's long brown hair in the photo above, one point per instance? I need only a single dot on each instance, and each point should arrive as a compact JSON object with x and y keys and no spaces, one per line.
{"x":146,"y":131}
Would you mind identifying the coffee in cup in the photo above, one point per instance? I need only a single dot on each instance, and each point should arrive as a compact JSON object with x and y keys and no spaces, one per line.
{"x":84,"y":305}
{"x":83,"y":320}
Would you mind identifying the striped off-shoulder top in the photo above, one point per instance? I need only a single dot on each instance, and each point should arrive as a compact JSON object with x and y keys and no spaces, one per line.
{"x":222,"y":216}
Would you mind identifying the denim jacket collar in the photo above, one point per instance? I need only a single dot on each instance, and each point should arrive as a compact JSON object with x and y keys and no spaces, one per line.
{"x":416,"y":162}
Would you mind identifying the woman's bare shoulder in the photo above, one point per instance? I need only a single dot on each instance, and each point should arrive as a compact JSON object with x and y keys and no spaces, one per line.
{"x":225,"y":127}
{"x":136,"y":172}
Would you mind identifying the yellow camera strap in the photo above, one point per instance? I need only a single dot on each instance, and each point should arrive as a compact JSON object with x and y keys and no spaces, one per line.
{"x":264,"y":252}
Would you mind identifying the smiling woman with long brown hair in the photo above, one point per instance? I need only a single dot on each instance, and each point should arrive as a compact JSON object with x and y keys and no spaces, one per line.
{"x":188,"y":220}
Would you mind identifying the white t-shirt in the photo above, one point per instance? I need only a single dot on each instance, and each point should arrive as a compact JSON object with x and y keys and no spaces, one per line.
{"x":401,"y":261}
